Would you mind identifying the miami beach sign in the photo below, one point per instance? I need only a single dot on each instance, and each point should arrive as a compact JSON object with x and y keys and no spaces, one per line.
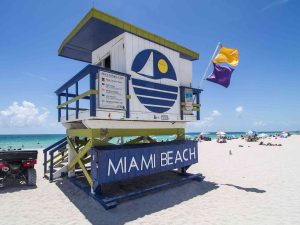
{"x":115,"y":163}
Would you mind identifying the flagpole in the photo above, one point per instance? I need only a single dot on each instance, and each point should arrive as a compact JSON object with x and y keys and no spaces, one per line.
{"x":210,"y":61}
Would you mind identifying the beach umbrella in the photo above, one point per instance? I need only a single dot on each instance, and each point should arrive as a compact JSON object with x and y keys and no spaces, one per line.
{"x":220,"y":133}
{"x":251,"y":133}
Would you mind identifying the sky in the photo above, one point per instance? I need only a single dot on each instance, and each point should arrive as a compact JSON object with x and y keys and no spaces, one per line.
{"x":264,"y":91}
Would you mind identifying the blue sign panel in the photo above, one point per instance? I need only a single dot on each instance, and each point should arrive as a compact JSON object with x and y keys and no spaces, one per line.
{"x":115,"y":163}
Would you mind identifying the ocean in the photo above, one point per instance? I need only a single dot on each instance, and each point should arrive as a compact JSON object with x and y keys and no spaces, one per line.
{"x":32,"y":141}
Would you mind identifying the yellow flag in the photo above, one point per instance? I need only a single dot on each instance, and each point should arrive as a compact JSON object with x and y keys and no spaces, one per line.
{"x":228,"y":55}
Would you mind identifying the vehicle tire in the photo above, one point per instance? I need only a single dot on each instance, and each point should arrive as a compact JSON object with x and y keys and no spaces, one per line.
{"x":31,"y":177}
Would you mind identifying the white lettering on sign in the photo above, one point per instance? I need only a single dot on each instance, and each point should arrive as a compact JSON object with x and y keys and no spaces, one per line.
{"x":184,"y":151}
{"x":166,"y":158}
{"x":163,"y":159}
{"x":178,"y":157}
{"x":130,"y":164}
{"x":133,"y":165}
{"x":150,"y":162}
{"x":192,"y":153}
{"x":170,"y":158}
{"x":120,"y":165}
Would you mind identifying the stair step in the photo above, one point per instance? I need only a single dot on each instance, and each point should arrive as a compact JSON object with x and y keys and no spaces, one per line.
{"x":59,"y":165}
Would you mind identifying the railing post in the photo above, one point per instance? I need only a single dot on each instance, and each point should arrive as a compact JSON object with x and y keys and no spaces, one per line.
{"x":77,"y":102}
{"x":45,"y":162}
{"x":67,"y":106}
{"x":198,"y":102}
{"x":93,"y":74}
{"x":181,"y":100}
{"x":127,"y":98}
{"x":59,"y":110}
{"x":51,"y":167}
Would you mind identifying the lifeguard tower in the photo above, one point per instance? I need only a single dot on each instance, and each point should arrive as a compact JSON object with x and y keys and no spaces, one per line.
{"x":137,"y":85}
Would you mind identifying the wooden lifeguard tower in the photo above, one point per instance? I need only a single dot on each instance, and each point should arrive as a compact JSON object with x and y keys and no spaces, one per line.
{"x":137,"y":85}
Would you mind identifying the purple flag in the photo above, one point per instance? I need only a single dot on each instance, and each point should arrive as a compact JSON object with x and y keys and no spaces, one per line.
{"x":221,"y":75}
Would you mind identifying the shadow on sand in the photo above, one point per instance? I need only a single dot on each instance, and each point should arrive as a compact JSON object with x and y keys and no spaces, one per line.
{"x":135,"y":208}
{"x":255,"y":190}
{"x":11,"y":186}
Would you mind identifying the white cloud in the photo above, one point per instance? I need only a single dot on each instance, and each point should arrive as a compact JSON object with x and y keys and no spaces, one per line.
{"x":205,"y":122}
{"x":215,"y":113}
{"x":239,"y":109}
{"x":274,"y":4}
{"x":55,"y":125}
{"x":259,"y":124}
{"x":25,"y":114}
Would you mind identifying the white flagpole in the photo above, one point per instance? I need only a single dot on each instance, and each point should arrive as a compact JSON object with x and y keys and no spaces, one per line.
{"x":210,"y":61}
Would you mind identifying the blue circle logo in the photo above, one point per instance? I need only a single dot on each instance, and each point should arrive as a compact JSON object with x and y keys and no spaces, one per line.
{"x":157,"y":93}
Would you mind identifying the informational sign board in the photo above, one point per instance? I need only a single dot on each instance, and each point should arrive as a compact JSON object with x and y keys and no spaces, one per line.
{"x":115,"y":163}
{"x":112,"y":91}
{"x":188,"y":97}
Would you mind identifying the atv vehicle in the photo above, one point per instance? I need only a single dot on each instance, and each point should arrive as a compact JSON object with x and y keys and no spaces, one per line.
{"x":18,"y":165}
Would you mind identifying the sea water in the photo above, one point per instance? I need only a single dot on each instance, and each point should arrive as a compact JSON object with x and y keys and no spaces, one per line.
{"x":28,"y":141}
{"x":33,"y":141}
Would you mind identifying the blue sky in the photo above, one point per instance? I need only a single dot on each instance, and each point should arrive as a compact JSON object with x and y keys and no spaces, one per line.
{"x":264,"y":92}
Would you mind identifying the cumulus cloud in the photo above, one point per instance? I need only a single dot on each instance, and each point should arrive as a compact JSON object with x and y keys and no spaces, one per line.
{"x":239,"y":109}
{"x":25,"y":114}
{"x":259,"y":124}
{"x":274,"y":4}
{"x":215,"y":113}
{"x":205,"y":122}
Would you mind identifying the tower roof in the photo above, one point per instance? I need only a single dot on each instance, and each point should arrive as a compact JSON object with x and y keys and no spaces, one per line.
{"x":97,"y":28}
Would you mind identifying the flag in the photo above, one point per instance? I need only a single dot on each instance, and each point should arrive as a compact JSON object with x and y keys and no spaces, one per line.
{"x":221,"y":75}
{"x":228,"y":55}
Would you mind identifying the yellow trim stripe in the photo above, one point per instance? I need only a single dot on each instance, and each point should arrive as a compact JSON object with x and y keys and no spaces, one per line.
{"x":87,"y":93}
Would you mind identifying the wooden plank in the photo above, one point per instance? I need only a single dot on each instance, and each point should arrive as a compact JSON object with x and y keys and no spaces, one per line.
{"x":60,"y":159}
{"x":84,"y":170}
{"x":139,"y":132}
{"x":87,"y":93}
{"x":78,"y":156}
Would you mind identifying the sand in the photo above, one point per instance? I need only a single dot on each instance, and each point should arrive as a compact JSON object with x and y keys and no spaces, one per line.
{"x":255,"y":185}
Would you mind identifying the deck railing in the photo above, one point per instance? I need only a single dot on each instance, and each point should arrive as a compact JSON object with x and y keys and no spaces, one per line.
{"x":57,"y":152}
{"x":64,"y":91}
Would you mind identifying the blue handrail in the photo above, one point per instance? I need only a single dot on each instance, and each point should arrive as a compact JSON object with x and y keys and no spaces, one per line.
{"x":51,"y":150}
{"x":92,"y":71}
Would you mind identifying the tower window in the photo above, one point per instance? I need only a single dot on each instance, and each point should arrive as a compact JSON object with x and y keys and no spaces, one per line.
{"x":107,"y":63}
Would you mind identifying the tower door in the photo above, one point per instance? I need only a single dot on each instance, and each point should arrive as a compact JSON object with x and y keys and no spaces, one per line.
{"x":118,"y":57}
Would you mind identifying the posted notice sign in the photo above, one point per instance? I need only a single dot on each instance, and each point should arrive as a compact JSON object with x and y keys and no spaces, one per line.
{"x":112,"y":91}
{"x":188,"y":99}
{"x":115,"y":163}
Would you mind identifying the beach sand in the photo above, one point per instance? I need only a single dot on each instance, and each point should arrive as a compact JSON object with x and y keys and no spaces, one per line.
{"x":255,"y":185}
